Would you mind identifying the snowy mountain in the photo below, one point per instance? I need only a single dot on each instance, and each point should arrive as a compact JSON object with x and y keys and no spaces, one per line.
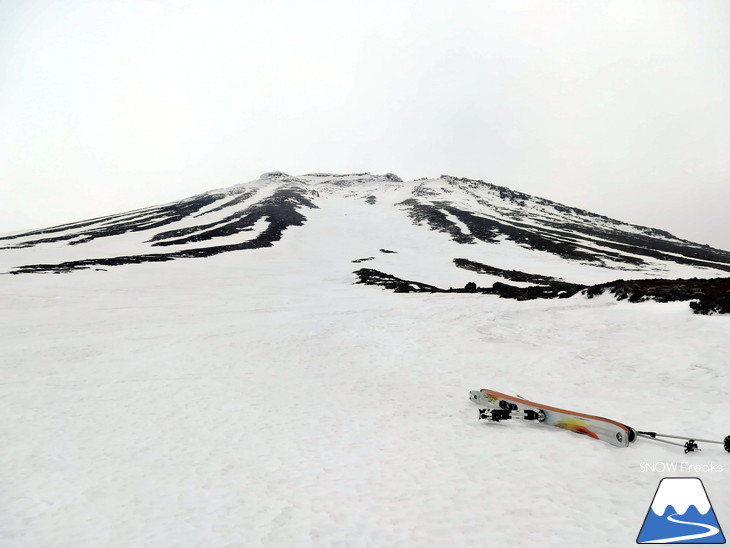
{"x":210,"y":373}
{"x":413,"y":235}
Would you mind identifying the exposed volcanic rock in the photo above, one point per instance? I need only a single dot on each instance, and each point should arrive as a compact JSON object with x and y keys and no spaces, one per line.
{"x":281,"y":209}
{"x":513,"y":275}
{"x":711,"y":304}
{"x":371,"y":276}
{"x":436,"y":220}
{"x":712,"y":295}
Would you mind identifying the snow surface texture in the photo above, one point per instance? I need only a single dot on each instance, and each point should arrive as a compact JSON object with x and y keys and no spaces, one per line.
{"x":260,"y":398}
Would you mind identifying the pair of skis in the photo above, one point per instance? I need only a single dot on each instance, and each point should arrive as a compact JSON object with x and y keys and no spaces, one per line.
{"x":504,"y":407}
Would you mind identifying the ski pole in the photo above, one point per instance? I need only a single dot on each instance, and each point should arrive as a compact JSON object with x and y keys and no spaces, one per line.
{"x":689,"y":447}
{"x":725,"y":442}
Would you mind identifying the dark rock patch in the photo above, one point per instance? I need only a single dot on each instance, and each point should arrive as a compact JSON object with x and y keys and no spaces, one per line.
{"x":513,"y":275}
{"x":436,"y":220}
{"x":233,"y":202}
{"x":711,"y":304}
{"x":709,"y":295}
{"x":370,"y":276}
{"x":488,"y":230}
{"x":706,"y":296}
{"x":281,"y":209}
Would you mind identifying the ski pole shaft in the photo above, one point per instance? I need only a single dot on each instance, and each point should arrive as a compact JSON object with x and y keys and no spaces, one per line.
{"x":656,"y":435}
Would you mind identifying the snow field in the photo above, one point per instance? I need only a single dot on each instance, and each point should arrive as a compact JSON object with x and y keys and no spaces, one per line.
{"x":262,"y":399}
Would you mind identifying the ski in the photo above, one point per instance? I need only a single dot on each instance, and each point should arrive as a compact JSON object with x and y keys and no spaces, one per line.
{"x":502,"y":407}
{"x":510,"y":407}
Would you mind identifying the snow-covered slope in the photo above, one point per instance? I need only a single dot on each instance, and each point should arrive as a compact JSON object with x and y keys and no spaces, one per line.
{"x":475,"y":220}
{"x":261,"y":398}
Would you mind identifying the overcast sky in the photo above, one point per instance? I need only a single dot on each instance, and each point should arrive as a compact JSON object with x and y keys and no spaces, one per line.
{"x":620,"y":107}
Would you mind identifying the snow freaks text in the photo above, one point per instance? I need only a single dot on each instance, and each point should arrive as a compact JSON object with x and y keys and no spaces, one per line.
{"x":680,"y":467}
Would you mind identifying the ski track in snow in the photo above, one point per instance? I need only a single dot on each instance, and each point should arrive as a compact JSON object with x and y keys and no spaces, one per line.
{"x":262,"y":399}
